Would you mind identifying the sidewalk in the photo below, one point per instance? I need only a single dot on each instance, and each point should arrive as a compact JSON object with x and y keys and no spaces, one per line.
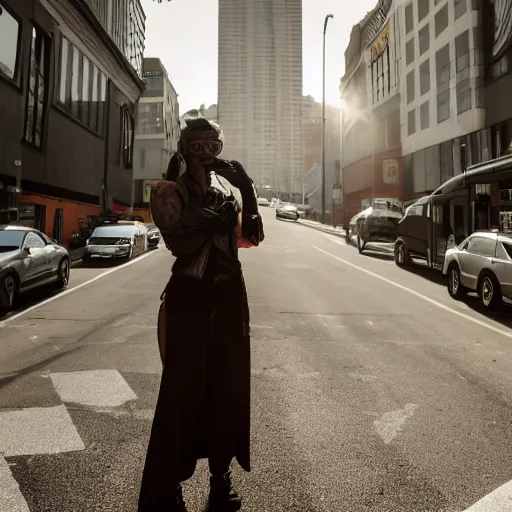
{"x":339,"y":231}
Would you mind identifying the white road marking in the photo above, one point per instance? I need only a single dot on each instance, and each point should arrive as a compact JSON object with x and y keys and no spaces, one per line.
{"x":37,"y":431}
{"x":453,"y":311}
{"x":11,"y":499}
{"x":390,"y":423}
{"x":94,"y":388}
{"x":75,"y":288}
{"x":499,"y":500}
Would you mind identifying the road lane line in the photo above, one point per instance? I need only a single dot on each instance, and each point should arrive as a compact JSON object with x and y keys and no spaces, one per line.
{"x":499,"y":500}
{"x":75,"y":288}
{"x":440,"y":305}
{"x":11,"y":498}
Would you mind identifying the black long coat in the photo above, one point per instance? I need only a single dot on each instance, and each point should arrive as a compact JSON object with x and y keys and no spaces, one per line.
{"x":203,"y":407}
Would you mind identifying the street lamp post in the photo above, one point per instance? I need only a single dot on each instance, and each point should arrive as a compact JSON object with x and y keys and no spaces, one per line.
{"x":323,"y":117}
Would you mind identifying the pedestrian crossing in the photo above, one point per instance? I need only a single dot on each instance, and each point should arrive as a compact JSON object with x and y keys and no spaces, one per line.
{"x":50,"y":430}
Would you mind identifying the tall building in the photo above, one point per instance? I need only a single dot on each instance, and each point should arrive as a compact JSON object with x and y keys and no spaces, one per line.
{"x":157,"y":131}
{"x":260,"y":89}
{"x":372,"y":163}
{"x":442,"y":93}
{"x":69,"y":86}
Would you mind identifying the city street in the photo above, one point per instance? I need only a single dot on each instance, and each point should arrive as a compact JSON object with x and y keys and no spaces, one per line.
{"x":373,"y":390}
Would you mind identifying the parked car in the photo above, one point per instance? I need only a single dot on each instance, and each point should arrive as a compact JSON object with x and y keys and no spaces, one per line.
{"x":412,"y":237}
{"x":263,"y":201}
{"x":153,"y":236}
{"x":378,"y":223}
{"x":287,"y":211}
{"x":305,"y":210}
{"x":117,"y":240}
{"x":482,"y":263}
{"x":29,"y":259}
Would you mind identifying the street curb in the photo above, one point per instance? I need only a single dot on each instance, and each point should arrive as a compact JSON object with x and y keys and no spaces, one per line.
{"x":322,"y":228}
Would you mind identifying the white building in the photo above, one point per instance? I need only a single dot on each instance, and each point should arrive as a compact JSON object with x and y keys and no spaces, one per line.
{"x":441,"y":90}
{"x":158,"y":128}
{"x":260,"y":89}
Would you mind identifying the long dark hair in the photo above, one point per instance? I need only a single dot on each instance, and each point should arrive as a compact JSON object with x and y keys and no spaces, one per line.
{"x":174,"y":167}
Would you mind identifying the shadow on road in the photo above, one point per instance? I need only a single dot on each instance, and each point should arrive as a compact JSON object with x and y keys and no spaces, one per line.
{"x":103,"y":264}
{"x":421,"y":270}
{"x":29,"y":299}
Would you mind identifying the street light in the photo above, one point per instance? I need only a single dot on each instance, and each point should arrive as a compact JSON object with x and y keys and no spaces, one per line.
{"x":323,"y":119}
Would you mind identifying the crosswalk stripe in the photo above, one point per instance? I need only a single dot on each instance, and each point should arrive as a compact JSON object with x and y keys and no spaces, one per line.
{"x":38,"y":431}
{"x":11,"y":499}
{"x":93,"y":388}
{"x":499,"y":500}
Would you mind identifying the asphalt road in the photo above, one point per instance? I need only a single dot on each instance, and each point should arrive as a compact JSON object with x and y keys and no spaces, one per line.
{"x":372,"y":389}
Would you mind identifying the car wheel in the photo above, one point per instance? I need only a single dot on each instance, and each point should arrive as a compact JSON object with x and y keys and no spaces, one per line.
{"x":400,"y":254}
{"x":489,"y":291}
{"x":455,"y":288}
{"x":361,"y":244}
{"x":9,"y":286}
{"x":63,"y":274}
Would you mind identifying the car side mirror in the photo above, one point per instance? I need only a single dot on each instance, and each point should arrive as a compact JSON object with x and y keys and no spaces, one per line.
{"x":26,"y":250}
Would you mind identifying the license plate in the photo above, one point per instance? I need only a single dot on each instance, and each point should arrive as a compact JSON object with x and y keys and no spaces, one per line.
{"x":107,"y":250}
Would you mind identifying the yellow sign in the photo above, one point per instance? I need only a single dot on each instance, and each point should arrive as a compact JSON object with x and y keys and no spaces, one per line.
{"x":146,"y":191}
{"x":380,"y":43}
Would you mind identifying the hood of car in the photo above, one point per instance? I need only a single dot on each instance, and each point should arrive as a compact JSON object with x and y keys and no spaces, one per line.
{"x":7,"y":257}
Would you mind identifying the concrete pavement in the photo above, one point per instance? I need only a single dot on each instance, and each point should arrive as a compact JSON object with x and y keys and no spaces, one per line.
{"x":372,"y":389}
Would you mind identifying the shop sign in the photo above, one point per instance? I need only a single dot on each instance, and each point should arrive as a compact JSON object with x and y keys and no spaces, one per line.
{"x":390,"y":171}
{"x":380,"y":44}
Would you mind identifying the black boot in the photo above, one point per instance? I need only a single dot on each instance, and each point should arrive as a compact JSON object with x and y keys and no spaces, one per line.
{"x":223,"y":497}
{"x":179,"y":503}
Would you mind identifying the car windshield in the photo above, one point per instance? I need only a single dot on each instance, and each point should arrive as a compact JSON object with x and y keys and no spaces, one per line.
{"x":114,"y":231}
{"x":11,"y":240}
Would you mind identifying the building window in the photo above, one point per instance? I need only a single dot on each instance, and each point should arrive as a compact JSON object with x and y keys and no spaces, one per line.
{"x":443,"y":83}
{"x":411,"y":122}
{"x":425,"y":77}
{"x":37,"y":94}
{"x":410,"y":87}
{"x":462,"y":69}
{"x":409,"y":20}
{"x":127,"y":138}
{"x":82,"y":87}
{"x":425,"y":115}
{"x":441,"y":20}
{"x":423,"y":8}
{"x":446,"y":160}
{"x":462,"y":56}
{"x":409,"y":51}
{"x":10,"y":30}
{"x":150,"y":120}
{"x":424,"y":38}
{"x":379,"y":73}
{"x":443,"y":106}
{"x":154,"y":86}
{"x":463,"y":96}
{"x":460,"y":7}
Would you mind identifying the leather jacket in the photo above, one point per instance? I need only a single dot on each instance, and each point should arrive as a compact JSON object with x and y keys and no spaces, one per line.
{"x":204,"y":240}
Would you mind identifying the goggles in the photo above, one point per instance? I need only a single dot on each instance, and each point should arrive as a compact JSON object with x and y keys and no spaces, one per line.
{"x":204,"y":147}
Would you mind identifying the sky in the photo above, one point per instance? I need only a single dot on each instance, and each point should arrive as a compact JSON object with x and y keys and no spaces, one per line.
{"x":183,"y":34}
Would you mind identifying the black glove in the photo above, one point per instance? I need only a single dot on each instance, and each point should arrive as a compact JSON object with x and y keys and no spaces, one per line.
{"x":228,"y":214}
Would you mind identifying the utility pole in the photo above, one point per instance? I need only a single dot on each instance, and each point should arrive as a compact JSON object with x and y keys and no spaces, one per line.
{"x":323,"y":117}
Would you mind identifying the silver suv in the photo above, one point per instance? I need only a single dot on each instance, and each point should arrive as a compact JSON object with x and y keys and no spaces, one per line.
{"x":481,"y":263}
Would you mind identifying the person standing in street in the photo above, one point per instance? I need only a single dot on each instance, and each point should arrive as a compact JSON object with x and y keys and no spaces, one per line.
{"x":206,"y":210}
